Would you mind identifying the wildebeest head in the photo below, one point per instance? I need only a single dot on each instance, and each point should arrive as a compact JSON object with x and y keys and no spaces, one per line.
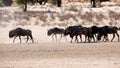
{"x":67,"y":31}
{"x":50,"y":31}
{"x":12,"y":33}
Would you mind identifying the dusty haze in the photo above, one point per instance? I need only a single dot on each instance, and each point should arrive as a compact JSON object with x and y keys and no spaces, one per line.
{"x":45,"y":53}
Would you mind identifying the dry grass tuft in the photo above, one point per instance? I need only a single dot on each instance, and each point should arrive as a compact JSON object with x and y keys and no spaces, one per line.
{"x":87,"y":16}
{"x":43,"y":18}
{"x":66,"y":16}
{"x":100,"y":17}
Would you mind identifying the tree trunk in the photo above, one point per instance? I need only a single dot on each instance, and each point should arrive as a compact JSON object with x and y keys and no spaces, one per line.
{"x":45,"y":2}
{"x":59,"y":3}
{"x":25,"y":7}
{"x":93,"y":3}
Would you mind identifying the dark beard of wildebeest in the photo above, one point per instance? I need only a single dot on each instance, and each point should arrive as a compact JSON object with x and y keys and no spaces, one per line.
{"x":105,"y":30}
{"x":93,"y":2}
{"x":74,"y":31}
{"x":54,"y":31}
{"x":18,"y":32}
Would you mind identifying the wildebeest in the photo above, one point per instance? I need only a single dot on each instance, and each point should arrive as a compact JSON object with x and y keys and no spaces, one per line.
{"x":93,"y":2}
{"x":86,"y":31}
{"x":90,"y":35}
{"x":95,"y":30}
{"x":104,"y":31}
{"x":75,"y":31}
{"x":71,"y":31}
{"x":54,"y":31}
{"x":18,"y":32}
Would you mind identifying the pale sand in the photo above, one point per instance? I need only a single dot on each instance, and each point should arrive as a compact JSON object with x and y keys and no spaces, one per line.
{"x":45,"y":53}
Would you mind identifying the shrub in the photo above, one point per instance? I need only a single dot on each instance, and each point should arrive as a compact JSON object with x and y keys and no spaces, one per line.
{"x":52,"y":2}
{"x":7,"y":2}
{"x":72,"y":8}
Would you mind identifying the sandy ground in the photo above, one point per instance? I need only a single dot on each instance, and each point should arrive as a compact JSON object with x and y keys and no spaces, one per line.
{"x":45,"y":53}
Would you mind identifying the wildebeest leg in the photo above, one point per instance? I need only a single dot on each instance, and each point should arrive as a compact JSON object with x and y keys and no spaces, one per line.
{"x":93,"y":38}
{"x":81,"y":38}
{"x":14,"y":39}
{"x":85,"y":38}
{"x":65,"y":38}
{"x":27,"y":39}
{"x":31,"y":38}
{"x":103,"y":38}
{"x":53,"y":37}
{"x":20,"y":39}
{"x":89,"y":38}
{"x":106,"y":38}
{"x":117,"y":36}
{"x":60,"y":37}
{"x":113,"y":37}
{"x":76,"y":39}
{"x":71,"y":36}
{"x":71,"y":39}
{"x":56,"y":37}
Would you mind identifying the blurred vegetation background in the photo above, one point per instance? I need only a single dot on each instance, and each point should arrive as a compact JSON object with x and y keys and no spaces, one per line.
{"x":6,"y":2}
{"x":10,"y":2}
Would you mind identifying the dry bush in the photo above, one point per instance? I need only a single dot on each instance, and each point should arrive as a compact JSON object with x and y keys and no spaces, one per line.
{"x":72,"y":8}
{"x":108,"y":3}
{"x":87,"y":16}
{"x":100,"y":17}
{"x":26,"y":17}
{"x":52,"y":16}
{"x":81,"y":1}
{"x":110,"y":23}
{"x":0,"y":23}
{"x":83,"y":23}
{"x":66,"y":16}
{"x":113,"y":15}
{"x":85,"y":0}
{"x":43,"y":18}
{"x":96,"y":23}
{"x":22,"y":23}
{"x":39,"y":14}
